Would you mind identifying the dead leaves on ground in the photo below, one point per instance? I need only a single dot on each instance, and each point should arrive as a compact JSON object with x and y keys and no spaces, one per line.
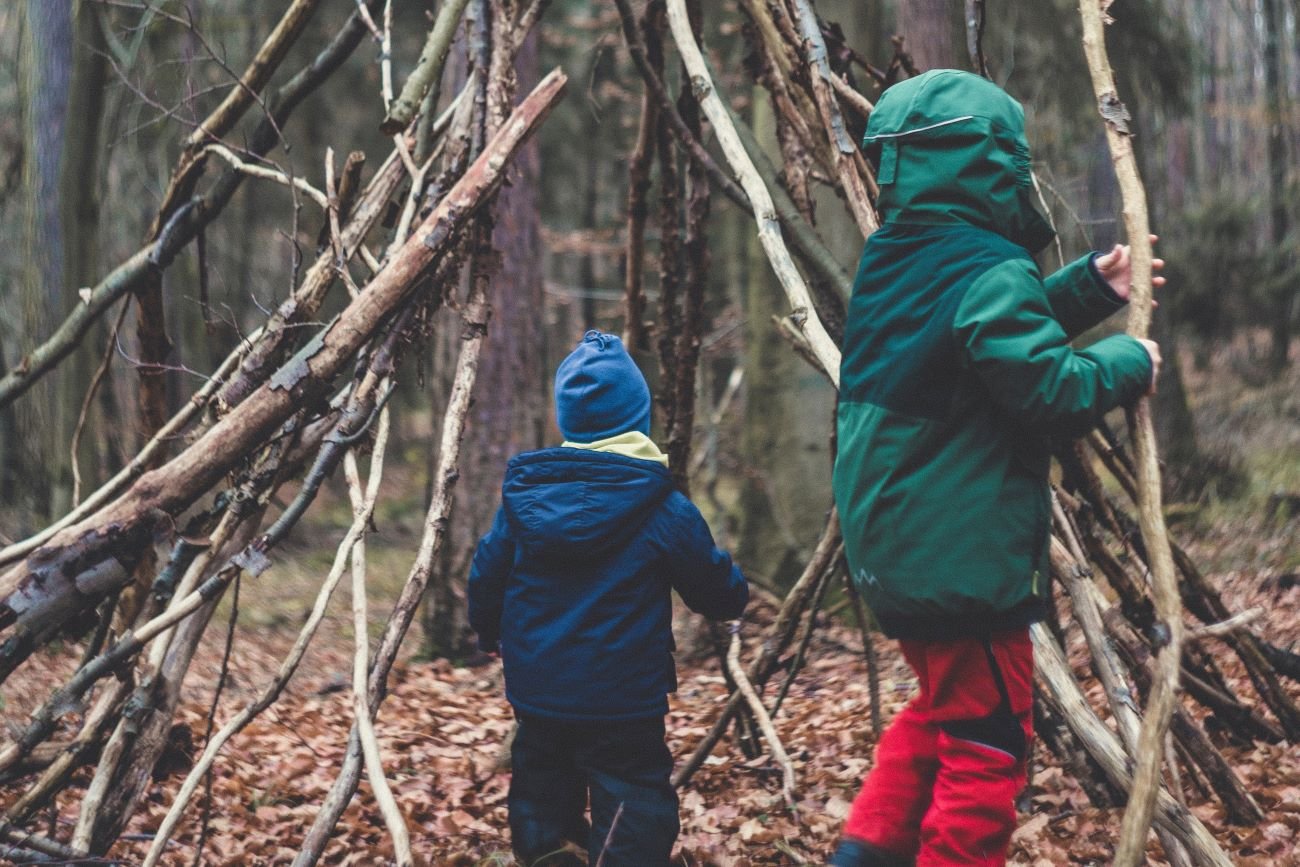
{"x":442,"y":731}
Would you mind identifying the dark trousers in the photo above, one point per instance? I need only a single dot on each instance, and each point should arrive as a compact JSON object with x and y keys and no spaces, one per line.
{"x":624,"y":768}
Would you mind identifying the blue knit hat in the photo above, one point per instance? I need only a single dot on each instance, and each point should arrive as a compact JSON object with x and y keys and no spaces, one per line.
{"x":600,"y":392}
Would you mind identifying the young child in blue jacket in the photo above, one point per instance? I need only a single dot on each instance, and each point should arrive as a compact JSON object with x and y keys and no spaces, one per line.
{"x":572,"y":584}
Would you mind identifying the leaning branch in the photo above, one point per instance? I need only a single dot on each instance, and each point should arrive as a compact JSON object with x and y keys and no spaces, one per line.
{"x":428,"y":71}
{"x":1164,"y":580}
{"x":769,"y":229}
{"x":84,"y":562}
{"x":764,"y":719}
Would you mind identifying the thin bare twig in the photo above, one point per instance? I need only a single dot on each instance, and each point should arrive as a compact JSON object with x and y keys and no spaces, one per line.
{"x":764,"y":719}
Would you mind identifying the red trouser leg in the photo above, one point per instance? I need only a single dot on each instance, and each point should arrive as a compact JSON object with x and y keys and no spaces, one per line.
{"x":887,"y":812}
{"x":948,"y":769}
{"x":984,"y":734}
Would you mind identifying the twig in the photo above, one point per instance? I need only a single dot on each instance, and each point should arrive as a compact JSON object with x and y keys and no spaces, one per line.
{"x":764,"y":720}
{"x":975,"y":36}
{"x":801,"y":651}
{"x":778,"y":637}
{"x":85,"y":407}
{"x":269,"y":175}
{"x":851,"y":95}
{"x":769,"y":230}
{"x":1164,"y":689}
{"x":386,"y":55}
{"x":428,"y":71}
{"x":222,"y":675}
{"x":1224,"y":627}
{"x":868,"y":650}
{"x":363,"y":505}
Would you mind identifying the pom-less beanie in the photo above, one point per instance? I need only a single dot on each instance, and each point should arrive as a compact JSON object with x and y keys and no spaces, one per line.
{"x":600,"y":392}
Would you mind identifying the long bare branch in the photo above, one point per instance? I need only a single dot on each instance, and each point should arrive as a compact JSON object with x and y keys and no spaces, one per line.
{"x":1164,"y":580}
{"x":769,"y":230}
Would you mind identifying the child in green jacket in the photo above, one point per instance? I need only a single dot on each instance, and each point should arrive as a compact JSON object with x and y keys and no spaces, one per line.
{"x":957,"y":371}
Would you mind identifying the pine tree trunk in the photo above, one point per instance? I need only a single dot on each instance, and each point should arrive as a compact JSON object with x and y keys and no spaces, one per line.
{"x":928,"y":27}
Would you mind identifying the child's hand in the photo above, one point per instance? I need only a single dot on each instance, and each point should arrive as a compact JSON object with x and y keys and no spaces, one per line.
{"x":1153,"y":350}
{"x":1116,"y":267}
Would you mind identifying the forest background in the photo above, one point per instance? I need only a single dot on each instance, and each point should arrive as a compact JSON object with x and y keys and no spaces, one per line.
{"x":97,"y":99}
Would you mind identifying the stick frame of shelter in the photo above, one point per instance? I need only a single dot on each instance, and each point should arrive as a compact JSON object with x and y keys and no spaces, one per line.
{"x":1164,"y":581}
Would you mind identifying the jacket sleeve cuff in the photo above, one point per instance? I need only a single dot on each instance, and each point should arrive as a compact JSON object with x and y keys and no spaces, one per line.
{"x":1132,"y":365}
{"x":1080,"y":297}
{"x":1102,"y":283}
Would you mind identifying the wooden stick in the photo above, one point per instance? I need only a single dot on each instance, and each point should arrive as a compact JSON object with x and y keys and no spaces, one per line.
{"x":363,"y":506}
{"x":764,"y":719}
{"x":779,"y":636}
{"x":288,"y":666}
{"x":1225,"y":627}
{"x":1164,"y":690}
{"x":255,"y":171}
{"x":769,"y":229}
{"x":428,"y":71}
{"x":849,"y":162}
{"x":1069,"y":702}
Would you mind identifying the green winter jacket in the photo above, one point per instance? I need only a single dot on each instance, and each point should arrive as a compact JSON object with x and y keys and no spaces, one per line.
{"x":958,"y":368}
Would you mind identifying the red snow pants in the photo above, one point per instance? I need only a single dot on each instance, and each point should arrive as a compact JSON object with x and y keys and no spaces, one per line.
{"x":950,"y":765}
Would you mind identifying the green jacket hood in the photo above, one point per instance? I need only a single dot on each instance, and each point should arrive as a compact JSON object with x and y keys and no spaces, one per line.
{"x":949,"y":147}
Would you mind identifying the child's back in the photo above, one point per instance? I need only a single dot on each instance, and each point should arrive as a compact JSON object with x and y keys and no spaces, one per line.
{"x":573,"y":585}
{"x":593,"y":542}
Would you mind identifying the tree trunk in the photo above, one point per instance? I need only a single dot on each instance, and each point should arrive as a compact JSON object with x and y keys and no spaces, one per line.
{"x":46,"y":63}
{"x":1282,"y":290}
{"x":928,"y":27}
{"x":509,"y":412}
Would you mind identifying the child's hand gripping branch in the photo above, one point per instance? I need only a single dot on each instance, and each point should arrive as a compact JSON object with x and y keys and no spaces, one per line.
{"x":1116,"y":268}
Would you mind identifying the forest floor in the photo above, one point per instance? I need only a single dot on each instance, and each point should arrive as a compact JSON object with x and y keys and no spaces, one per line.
{"x":442,"y":728}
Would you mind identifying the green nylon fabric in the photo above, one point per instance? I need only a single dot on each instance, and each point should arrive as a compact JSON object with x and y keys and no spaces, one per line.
{"x":958,"y":370}
{"x":951,"y":148}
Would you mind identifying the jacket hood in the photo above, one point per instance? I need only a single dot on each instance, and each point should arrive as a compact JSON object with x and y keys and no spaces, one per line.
{"x":949,"y":147}
{"x":577,"y":505}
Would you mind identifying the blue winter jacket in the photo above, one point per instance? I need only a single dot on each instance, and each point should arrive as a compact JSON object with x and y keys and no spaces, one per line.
{"x":573,"y":581}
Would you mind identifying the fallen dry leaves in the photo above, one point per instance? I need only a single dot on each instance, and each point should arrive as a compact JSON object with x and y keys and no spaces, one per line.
{"x":442,"y":730}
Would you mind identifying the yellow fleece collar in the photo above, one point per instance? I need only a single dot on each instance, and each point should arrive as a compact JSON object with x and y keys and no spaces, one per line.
{"x":631,"y":444}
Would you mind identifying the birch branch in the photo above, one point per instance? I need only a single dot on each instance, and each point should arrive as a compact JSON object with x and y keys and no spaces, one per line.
{"x":1164,"y":687}
{"x":769,"y":229}
{"x":363,"y":506}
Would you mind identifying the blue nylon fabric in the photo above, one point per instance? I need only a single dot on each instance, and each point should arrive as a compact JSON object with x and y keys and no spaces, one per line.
{"x":574,"y":580}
